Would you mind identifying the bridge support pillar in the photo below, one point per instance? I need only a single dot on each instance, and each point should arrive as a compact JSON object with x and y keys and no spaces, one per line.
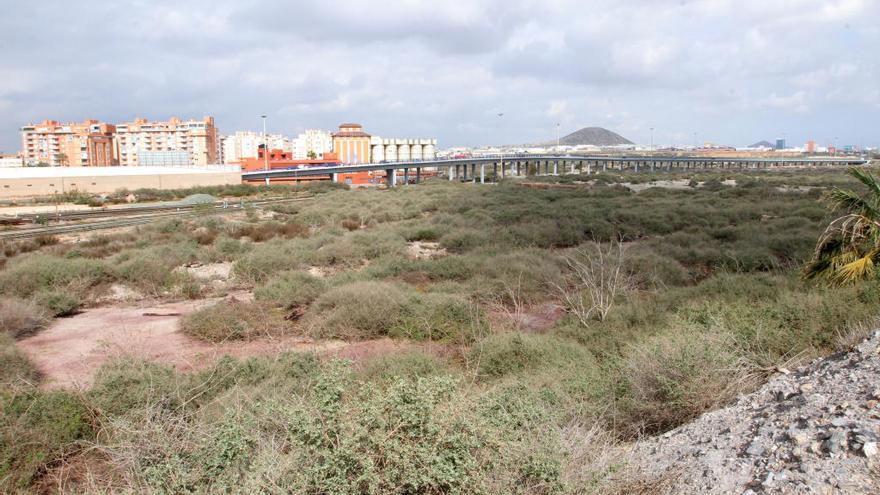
{"x":405,"y":176}
{"x":334,"y":177}
{"x":556,"y":167}
{"x":451,"y":170}
{"x":495,"y":171}
{"x":465,"y":171}
{"x":482,"y":173}
{"x":267,"y":180}
{"x":418,"y":175}
{"x":390,"y":177}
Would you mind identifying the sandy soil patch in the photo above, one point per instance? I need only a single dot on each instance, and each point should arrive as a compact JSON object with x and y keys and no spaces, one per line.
{"x":119,"y":293}
{"x":663,"y":184}
{"x":423,"y":250}
{"x":71,"y":350}
{"x":209,"y":272}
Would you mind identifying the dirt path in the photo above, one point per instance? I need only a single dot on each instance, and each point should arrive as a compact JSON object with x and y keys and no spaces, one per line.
{"x":71,"y":350}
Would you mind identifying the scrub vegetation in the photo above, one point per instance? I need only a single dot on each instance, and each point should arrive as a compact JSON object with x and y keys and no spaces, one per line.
{"x":544,"y":328}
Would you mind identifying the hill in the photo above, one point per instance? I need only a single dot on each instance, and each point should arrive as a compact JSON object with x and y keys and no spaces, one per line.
{"x":595,"y":136}
{"x":762,"y":144}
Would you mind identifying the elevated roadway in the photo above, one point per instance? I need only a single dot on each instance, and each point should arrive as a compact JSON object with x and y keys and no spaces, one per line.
{"x":499,"y":166}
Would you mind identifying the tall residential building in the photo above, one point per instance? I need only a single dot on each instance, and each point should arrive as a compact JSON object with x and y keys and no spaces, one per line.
{"x":86,"y":144}
{"x":351,"y":144}
{"x":313,"y":141}
{"x":246,"y":144}
{"x":172,"y":142}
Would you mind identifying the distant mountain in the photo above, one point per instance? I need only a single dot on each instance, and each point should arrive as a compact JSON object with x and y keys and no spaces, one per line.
{"x":762,"y":144}
{"x":595,"y":136}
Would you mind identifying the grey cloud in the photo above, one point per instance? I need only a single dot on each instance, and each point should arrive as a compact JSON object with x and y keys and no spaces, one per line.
{"x":733,"y":71}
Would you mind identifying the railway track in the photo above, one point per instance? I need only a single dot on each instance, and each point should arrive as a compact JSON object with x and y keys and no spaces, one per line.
{"x":135,"y":216}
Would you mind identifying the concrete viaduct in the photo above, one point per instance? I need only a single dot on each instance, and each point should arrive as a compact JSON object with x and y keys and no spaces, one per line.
{"x":492,"y":168}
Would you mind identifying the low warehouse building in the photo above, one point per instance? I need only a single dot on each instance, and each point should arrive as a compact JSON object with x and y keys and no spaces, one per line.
{"x":45,"y":181}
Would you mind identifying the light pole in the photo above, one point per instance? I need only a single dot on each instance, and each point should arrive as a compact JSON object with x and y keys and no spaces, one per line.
{"x":557,"y":137}
{"x":501,"y":149}
{"x":265,"y":144}
{"x":652,"y":140}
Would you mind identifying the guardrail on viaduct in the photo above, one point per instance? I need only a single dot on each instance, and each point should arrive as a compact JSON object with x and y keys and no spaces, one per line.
{"x":500,"y":166}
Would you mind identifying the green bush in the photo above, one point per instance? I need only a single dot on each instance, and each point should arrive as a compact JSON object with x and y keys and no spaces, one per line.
{"x":15,"y":367}
{"x":127,"y":385}
{"x":511,"y":353}
{"x":58,"y":303}
{"x":226,"y":321}
{"x":230,"y":248}
{"x":359,"y":310}
{"x":36,"y":430}
{"x":291,"y":289}
{"x":440,"y":317}
{"x":34,"y":273}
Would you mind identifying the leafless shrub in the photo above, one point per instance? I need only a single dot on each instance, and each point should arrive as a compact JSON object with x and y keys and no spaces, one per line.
{"x":596,"y":278}
{"x":511,"y":303}
{"x":592,"y":455}
{"x":21,"y":317}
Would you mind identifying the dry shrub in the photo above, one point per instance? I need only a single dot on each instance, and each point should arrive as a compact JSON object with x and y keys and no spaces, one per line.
{"x":593,"y":455}
{"x":597,"y":278}
{"x":21,"y":317}
{"x":267,"y":230}
{"x":674,"y":377}
{"x":15,"y":367}
{"x":291,"y":289}
{"x":204,"y":235}
{"x":235,"y":321}
{"x":350,"y":224}
{"x":359,"y":310}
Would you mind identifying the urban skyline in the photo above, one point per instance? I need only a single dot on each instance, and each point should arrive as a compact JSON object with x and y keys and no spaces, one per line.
{"x":733,"y":72}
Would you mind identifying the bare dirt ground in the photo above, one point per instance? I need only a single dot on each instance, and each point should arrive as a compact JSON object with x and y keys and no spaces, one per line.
{"x":71,"y":350}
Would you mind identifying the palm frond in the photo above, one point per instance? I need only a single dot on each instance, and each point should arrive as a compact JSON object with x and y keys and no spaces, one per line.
{"x":841,"y":199}
{"x":868,"y":179}
{"x":855,"y":270}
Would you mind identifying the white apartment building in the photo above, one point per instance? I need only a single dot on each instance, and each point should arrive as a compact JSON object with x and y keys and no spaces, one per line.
{"x":245,"y":144}
{"x":312,"y":140}
{"x":401,"y":150}
{"x":172,"y":142}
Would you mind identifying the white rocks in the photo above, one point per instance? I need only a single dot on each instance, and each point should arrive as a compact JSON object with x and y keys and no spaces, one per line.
{"x":815,"y":430}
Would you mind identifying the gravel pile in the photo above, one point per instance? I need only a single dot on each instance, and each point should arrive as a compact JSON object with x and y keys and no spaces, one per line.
{"x":815,"y":430}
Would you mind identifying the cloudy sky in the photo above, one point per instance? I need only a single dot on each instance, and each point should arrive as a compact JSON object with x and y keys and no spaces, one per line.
{"x":725,"y":71}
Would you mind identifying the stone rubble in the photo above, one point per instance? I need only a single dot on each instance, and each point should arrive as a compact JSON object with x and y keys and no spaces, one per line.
{"x":810,"y":431}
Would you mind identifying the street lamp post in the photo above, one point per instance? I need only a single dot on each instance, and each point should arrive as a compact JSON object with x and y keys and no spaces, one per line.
{"x":265,"y":149}
{"x":557,"y":137}
{"x":652,"y":140}
{"x":501,"y":149}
